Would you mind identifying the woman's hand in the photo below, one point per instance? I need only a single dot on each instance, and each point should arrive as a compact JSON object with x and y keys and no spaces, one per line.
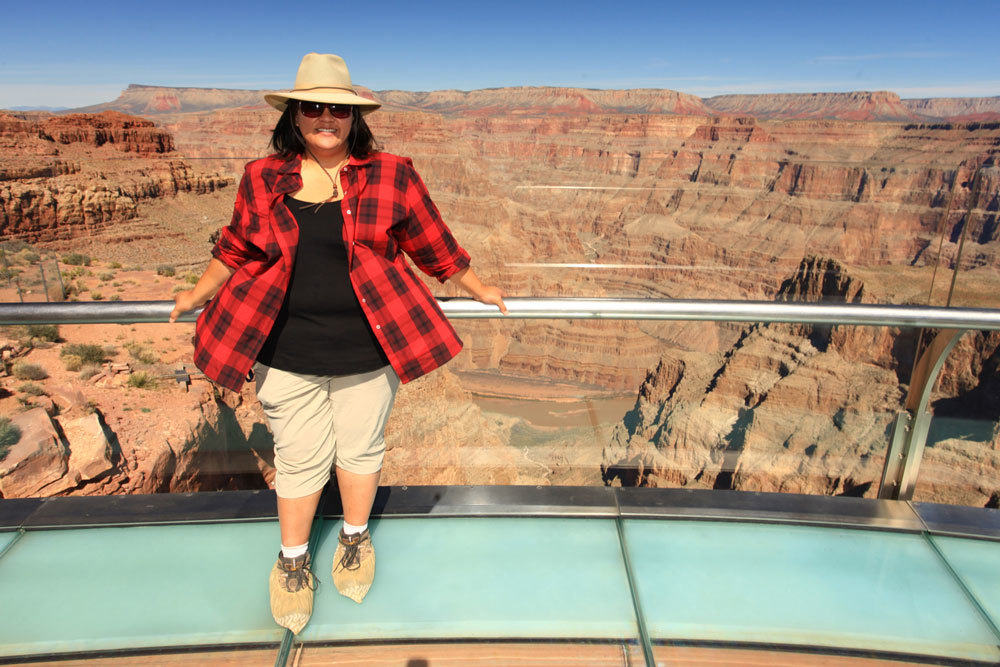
{"x":211,"y":280}
{"x":183,"y":302}
{"x":488,"y":294}
{"x":491,"y":295}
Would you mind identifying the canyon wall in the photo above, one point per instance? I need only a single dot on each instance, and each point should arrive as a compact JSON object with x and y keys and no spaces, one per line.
{"x":69,"y":176}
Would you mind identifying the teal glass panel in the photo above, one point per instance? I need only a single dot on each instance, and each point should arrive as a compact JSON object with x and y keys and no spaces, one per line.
{"x":977,"y":562}
{"x":6,"y":538}
{"x":802,"y":585}
{"x":119,"y":588}
{"x":481,"y":578}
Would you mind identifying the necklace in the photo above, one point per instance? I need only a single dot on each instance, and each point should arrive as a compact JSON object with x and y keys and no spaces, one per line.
{"x":338,"y":192}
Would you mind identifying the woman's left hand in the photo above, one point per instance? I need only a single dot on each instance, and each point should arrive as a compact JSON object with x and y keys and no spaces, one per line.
{"x":492,"y":296}
{"x":488,"y":294}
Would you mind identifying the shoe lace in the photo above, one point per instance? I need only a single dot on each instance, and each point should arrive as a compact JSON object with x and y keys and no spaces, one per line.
{"x":351,"y":559}
{"x":298,"y":577}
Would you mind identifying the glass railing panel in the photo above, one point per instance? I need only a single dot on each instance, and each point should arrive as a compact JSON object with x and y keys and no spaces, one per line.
{"x":699,"y":405}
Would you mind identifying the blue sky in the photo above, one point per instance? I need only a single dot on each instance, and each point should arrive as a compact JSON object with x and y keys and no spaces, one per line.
{"x":73,"y":53}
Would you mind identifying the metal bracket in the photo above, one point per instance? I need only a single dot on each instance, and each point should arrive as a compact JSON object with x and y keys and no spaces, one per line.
{"x":909,"y":431}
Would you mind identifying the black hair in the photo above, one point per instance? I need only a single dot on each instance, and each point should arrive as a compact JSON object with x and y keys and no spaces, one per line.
{"x":287,"y":141}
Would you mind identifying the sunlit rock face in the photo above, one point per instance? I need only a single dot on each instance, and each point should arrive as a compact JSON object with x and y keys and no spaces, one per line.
{"x":859,"y":197}
{"x":69,"y":176}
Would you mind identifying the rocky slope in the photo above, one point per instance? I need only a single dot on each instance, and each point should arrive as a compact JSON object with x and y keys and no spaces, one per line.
{"x":806,"y":409}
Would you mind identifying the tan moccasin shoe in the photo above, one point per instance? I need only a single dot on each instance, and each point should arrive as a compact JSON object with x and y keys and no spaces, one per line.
{"x":354,"y":565}
{"x":292,"y":585}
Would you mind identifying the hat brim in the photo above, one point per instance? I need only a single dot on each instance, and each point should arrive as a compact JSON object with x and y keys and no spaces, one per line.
{"x":279,"y":99}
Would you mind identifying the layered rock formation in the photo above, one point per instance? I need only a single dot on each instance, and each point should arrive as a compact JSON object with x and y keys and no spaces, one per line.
{"x":63,"y":177}
{"x":527,"y":100}
{"x":802,"y":409}
{"x":956,"y":108}
{"x":858,"y":105}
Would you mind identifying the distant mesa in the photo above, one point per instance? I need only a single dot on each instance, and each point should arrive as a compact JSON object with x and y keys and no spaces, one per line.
{"x":140,"y":99}
{"x":528,"y":100}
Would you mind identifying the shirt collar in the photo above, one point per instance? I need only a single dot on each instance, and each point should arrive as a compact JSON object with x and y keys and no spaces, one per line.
{"x":289,"y":174}
{"x":289,"y":178}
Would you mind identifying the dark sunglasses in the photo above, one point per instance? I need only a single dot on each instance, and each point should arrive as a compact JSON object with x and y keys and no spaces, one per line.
{"x":315,"y":109}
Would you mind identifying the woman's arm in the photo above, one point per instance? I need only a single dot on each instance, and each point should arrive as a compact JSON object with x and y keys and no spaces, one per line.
{"x":469,"y":281}
{"x":214,"y":277}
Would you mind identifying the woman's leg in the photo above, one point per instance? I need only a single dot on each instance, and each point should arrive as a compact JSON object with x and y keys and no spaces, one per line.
{"x":361,"y":407}
{"x":357,"y":493}
{"x":295,"y":515}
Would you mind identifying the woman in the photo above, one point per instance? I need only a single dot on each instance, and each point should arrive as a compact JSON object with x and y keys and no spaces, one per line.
{"x":317,"y":303}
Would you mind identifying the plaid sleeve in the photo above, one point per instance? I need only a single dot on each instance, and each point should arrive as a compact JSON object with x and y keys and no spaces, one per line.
{"x":231,"y":249}
{"x":425,"y":237}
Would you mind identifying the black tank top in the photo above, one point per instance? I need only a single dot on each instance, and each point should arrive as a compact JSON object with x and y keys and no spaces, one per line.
{"x":321,"y":329}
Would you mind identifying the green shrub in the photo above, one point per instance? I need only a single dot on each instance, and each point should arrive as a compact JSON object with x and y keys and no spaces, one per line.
{"x":96,"y":296}
{"x":30,"y":256}
{"x":25,"y":371}
{"x":89,"y":371}
{"x":8,"y":274}
{"x":142,"y":380}
{"x":141,"y":353}
{"x":9,"y":435}
{"x":165,"y":270}
{"x":191,"y":278}
{"x":105,"y":276}
{"x":31,"y":389}
{"x":49,"y":332}
{"x":115,"y":297}
{"x":115,"y":265}
{"x":88,"y":353}
{"x":76,"y":259}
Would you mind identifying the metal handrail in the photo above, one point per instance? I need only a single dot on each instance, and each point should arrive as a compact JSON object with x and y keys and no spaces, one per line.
{"x":132,"y":312}
{"x":909,"y":432}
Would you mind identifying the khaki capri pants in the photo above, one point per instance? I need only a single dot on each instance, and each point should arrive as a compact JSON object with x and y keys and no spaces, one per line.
{"x":322,"y":421}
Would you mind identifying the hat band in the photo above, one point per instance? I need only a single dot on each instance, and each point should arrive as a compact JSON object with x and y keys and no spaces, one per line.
{"x":306,"y":90}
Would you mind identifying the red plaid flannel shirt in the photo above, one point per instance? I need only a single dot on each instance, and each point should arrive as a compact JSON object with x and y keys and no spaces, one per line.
{"x":387,"y":212}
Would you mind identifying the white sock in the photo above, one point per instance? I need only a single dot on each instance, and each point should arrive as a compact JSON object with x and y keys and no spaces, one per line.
{"x":294,"y":552}
{"x":354,"y":530}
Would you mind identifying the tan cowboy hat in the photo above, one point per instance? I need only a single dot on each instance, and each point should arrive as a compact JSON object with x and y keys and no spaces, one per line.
{"x":322,"y":77}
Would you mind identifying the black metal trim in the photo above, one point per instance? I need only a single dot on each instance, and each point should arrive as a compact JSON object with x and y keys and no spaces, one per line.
{"x":526,"y":501}
{"x":152,"y":509}
{"x":698,"y":504}
{"x":959,"y":521}
{"x":14,"y":511}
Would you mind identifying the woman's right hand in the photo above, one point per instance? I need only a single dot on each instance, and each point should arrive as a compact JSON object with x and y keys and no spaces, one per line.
{"x":215,"y":275}
{"x":183,"y":302}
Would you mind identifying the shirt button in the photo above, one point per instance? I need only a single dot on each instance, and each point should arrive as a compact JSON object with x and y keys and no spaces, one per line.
{"x":378,"y":326}
{"x":348,"y":213}
{"x":363,"y":301}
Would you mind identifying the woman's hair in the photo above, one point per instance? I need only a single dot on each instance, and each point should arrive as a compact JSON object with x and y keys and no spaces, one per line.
{"x":288,"y":142}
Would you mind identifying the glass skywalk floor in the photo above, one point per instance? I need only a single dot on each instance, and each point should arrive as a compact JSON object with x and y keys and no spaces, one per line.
{"x":599,"y":567}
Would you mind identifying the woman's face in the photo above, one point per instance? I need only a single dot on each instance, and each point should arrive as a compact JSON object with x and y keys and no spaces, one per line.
{"x":325,"y":136}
